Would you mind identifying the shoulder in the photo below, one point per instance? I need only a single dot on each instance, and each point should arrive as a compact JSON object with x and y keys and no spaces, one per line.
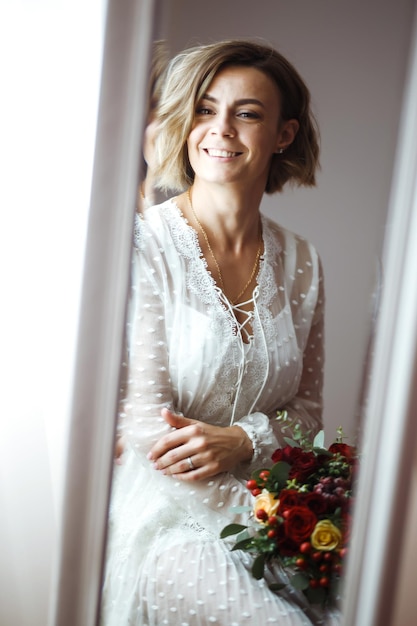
{"x":289,"y":243}
{"x":164,"y":240}
{"x":300,"y":264}
{"x":155,"y":225}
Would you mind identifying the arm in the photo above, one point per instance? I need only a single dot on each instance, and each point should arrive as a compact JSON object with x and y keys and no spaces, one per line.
{"x":307,"y":406}
{"x":149,"y":393}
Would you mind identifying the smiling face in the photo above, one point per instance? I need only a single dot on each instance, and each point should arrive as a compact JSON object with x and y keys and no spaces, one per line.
{"x":237,"y":128}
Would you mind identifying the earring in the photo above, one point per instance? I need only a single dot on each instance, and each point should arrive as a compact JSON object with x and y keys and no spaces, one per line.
{"x":280,"y":151}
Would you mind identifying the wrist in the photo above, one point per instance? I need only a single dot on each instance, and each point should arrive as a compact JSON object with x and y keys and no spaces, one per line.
{"x":254,"y":439}
{"x":246,"y":446}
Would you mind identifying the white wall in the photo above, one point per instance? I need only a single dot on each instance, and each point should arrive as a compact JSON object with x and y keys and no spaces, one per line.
{"x":352,"y":55}
{"x":50,"y":55}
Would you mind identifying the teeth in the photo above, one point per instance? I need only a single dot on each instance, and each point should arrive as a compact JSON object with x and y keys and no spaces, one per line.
{"x":221,"y":153}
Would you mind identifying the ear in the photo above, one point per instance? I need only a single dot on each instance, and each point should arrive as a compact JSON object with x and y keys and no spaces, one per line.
{"x":286,"y":135}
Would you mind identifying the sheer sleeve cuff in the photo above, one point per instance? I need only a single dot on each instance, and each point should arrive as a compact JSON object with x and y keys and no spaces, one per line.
{"x":257,"y":428}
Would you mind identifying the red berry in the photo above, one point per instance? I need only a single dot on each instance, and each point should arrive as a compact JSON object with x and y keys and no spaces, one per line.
{"x":264,"y":475}
{"x":261,"y":514}
{"x":256,"y":491}
{"x":251,"y":484}
{"x":343,"y":553}
{"x":324,"y":581}
{"x":314,"y":583}
{"x":317,"y":556}
{"x":305,"y":547}
{"x":328,"y":556}
{"x":324,"y":568}
{"x":301,"y":563}
{"x":337,"y":568}
{"x":273,"y":520}
{"x":272,"y":533}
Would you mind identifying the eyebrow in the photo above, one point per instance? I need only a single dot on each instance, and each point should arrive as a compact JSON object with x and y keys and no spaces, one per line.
{"x":239,"y":102}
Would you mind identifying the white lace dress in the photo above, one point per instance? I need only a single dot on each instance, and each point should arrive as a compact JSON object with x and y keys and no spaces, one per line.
{"x":165,"y":562}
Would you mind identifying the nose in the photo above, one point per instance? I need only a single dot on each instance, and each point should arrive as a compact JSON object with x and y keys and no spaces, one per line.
{"x":223,"y":125}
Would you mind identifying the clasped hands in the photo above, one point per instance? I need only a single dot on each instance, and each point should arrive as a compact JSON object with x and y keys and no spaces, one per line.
{"x":196,"y":450}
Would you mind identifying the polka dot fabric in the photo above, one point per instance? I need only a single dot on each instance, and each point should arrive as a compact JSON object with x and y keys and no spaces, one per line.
{"x":165,"y":563}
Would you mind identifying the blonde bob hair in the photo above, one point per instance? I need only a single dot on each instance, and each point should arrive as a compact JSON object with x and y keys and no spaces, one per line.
{"x":187,"y":79}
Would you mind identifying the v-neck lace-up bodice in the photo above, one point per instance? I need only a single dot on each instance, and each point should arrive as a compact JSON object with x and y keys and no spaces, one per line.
{"x":182,"y":322}
{"x":243,"y":311}
{"x":187,"y":351}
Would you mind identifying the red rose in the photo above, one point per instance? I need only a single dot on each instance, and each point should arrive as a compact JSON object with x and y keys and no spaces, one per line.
{"x":303,"y":466}
{"x":283,"y":454}
{"x":315,"y":502}
{"x":287,"y":499}
{"x":285,"y":545}
{"x":349,"y":452}
{"x":300,"y":523}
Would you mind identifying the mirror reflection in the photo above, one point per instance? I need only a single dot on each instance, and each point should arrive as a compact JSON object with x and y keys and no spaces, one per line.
{"x":225,"y":352}
{"x":225,"y":341}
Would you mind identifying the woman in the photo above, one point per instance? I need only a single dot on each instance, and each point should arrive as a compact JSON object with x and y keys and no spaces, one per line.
{"x":226,"y":330}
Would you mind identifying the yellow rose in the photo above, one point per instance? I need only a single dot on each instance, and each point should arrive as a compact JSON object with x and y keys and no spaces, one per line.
{"x":265,"y":502}
{"x":325,"y":536}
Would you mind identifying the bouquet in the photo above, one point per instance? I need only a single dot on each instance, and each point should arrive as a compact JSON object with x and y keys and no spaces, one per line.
{"x":301,"y":514}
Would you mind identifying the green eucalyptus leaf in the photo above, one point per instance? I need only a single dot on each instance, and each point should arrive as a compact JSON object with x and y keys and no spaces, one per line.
{"x":291,"y":442}
{"x":276,"y":586}
{"x":245,"y":544}
{"x":232,"y":529}
{"x":258,"y":567}
{"x":243,"y":535}
{"x":318,"y":441}
{"x":300,"y":581}
{"x":241,"y":509}
{"x":322,"y":451}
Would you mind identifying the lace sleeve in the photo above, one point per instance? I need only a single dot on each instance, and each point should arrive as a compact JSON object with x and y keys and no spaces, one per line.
{"x":149,"y":389}
{"x":306,"y":407}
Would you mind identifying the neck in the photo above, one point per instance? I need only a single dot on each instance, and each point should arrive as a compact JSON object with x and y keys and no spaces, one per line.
{"x":232,"y":218}
{"x":228,"y":259}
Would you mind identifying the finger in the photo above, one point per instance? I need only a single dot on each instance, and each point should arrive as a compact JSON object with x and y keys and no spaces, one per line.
{"x":174,"y":458}
{"x":178,"y":437}
{"x":187,"y":465}
{"x":169,"y":443}
{"x":198,"y":473}
{"x":175,"y":419}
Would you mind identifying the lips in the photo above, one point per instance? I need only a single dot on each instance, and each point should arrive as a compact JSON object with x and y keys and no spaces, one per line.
{"x":214,"y":152}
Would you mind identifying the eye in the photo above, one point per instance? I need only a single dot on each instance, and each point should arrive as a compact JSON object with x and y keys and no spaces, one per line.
{"x":203,"y":110}
{"x":249,"y":115}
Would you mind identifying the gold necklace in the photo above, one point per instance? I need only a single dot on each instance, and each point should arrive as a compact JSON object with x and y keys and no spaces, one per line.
{"x":219,"y":273}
